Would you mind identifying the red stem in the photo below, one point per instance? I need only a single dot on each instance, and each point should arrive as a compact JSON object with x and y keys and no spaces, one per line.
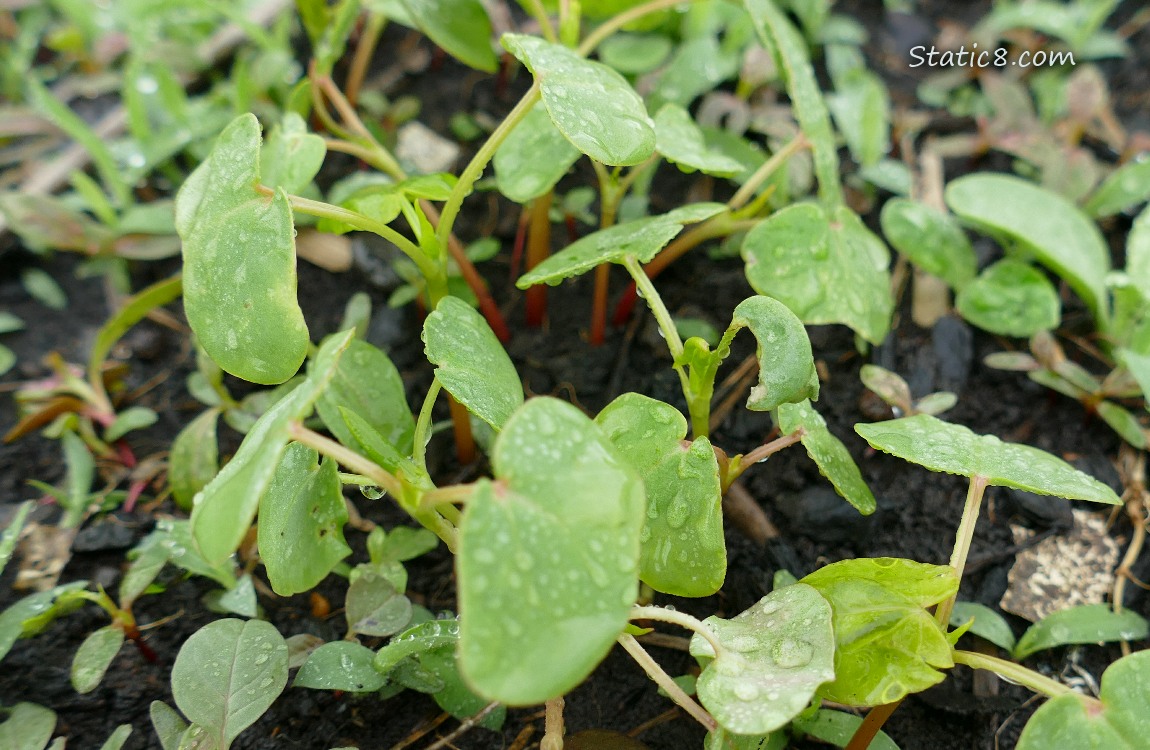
{"x":538,"y":249}
{"x":599,"y":302}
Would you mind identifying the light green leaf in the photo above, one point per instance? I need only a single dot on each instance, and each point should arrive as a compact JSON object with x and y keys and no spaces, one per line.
{"x":941,"y":446}
{"x":94,"y":657}
{"x":301,"y":519}
{"x":340,"y":665}
{"x":238,"y":600}
{"x":7,"y":359}
{"x":861,"y":108}
{"x":1123,"y":422}
{"x":1056,"y":231}
{"x":837,"y":728}
{"x":375,"y":606}
{"x":133,"y":311}
{"x":12,"y":531}
{"x":117,"y":739}
{"x":643,"y":238}
{"x":931,"y":239}
{"x":697,"y":66}
{"x":132,"y":418}
{"x":45,"y":223}
{"x":1125,"y":188}
{"x":471,"y":363}
{"x":194,"y":459}
{"x":38,"y":605}
{"x":593,"y":106}
{"x":225,"y":508}
{"x":292,"y":156}
{"x":786,"y":363}
{"x":80,"y":472}
{"x":28,"y":727}
{"x":886,"y":644}
{"x":826,"y":266}
{"x":1069,"y":722}
{"x":828,"y":452}
{"x":460,"y":27}
{"x":519,"y":172}
{"x":227,"y":674}
{"x":1010,"y":298}
{"x":239,"y":262}
{"x":683,"y":551}
{"x":43,"y":288}
{"x":1088,"y":623}
{"x":776,"y":654}
{"x":168,"y":724}
{"x":633,"y":54}
{"x":679,"y":140}
{"x":150,"y":558}
{"x":988,"y":624}
{"x":176,"y":537}
{"x":548,"y":556}
{"x":400,"y":544}
{"x":367,"y":383}
{"x":721,"y":739}
{"x":1138,"y":252}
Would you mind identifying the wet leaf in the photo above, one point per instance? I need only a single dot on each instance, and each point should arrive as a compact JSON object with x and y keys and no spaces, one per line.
{"x":28,"y":727}
{"x":239,"y":262}
{"x":150,"y":559}
{"x":931,"y":239}
{"x":548,"y":556}
{"x":592,"y":105}
{"x":1124,"y":189}
{"x":471,"y":363}
{"x":837,"y":728}
{"x":519,"y":171}
{"x":301,"y":519}
{"x":1088,"y":623}
{"x":776,"y":654}
{"x":168,"y":724}
{"x":1068,"y":721}
{"x":828,"y":452}
{"x":366,"y":382}
{"x":460,"y":27}
{"x":721,"y":739}
{"x":988,"y":624}
{"x":340,"y":665}
{"x":227,"y":674}
{"x":291,"y":156}
{"x":375,"y":606}
{"x":94,"y":657}
{"x":680,"y":141}
{"x":194,"y":459}
{"x":240,"y":599}
{"x":786,"y":363}
{"x":1010,"y":298}
{"x":887,"y":385}
{"x":683,"y":551}
{"x":941,"y":446}
{"x":1056,"y":231}
{"x":826,"y":266}
{"x":886,"y":644}
{"x":226,"y":506}
{"x":117,"y":739}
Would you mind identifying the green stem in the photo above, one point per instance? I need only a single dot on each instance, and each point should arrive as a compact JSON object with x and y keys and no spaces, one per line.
{"x":780,"y":157}
{"x":962,"y":542}
{"x":358,"y":480}
{"x":539,"y":13}
{"x":1019,"y":674}
{"x":596,"y":37}
{"x":682,"y":619}
{"x":349,"y":458}
{"x":739,"y":464}
{"x":456,"y":493}
{"x":663,"y":680}
{"x":423,"y":425}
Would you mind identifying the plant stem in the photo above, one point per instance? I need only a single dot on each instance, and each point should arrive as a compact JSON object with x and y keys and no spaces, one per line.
{"x":349,"y":458}
{"x":553,"y":725}
{"x":663,"y":680}
{"x":358,"y":480}
{"x":539,"y":13}
{"x":655,"y":302}
{"x":871,"y":725}
{"x":1018,"y":674}
{"x":682,"y":619}
{"x":362,"y":59}
{"x":423,"y":425}
{"x":780,"y":157}
{"x":538,"y":248}
{"x":461,"y":425}
{"x":596,"y":37}
{"x":741,"y":463}
{"x":962,"y":542}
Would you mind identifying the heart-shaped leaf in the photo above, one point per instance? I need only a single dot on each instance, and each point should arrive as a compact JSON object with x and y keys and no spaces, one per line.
{"x":829,"y":453}
{"x":679,"y":140}
{"x":239,"y":262}
{"x":941,"y":446}
{"x":886,"y":644}
{"x":683,"y":551}
{"x":1074,"y":722}
{"x":592,"y":105}
{"x":471,"y":363}
{"x":548,"y":556}
{"x":1010,"y":298}
{"x":931,"y":239}
{"x":825,"y":265}
{"x":776,"y":654}
{"x":1088,"y":623}
{"x":94,"y":657}
{"x":227,"y":674}
{"x":519,"y":172}
{"x":341,"y":665}
{"x":643,"y":238}
{"x":786,"y":363}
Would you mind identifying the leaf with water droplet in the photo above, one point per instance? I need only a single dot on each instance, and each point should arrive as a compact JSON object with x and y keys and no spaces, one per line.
{"x":829,"y":453}
{"x":776,"y":654}
{"x":1123,"y":723}
{"x":520,"y":173}
{"x":375,"y":607}
{"x":1088,"y":623}
{"x":340,"y":665}
{"x":786,"y":363}
{"x":680,"y":141}
{"x":219,"y":682}
{"x":94,"y":657}
{"x":886,"y":644}
{"x":566,"y":498}
{"x":168,"y":723}
{"x":33,"y":613}
{"x":931,"y":239}
{"x":941,"y":446}
{"x":825,"y":265}
{"x":837,"y":728}
{"x":1010,"y":298}
{"x":684,"y":497}
{"x":239,"y":262}
{"x":592,"y":105}
{"x":471,"y":363}
{"x":194,"y":459}
{"x":291,"y":156}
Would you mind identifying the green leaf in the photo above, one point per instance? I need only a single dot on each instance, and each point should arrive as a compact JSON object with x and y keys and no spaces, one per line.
{"x":43,"y":288}
{"x":340,"y":665}
{"x":81,"y":471}
{"x":941,"y":446}
{"x":519,"y":172}
{"x":117,"y":739}
{"x":786,"y":363}
{"x":828,"y":452}
{"x":94,"y":657}
{"x":1070,"y":722}
{"x":176,"y":537}
{"x":633,"y":54}
{"x":643,"y":238}
{"x":988,"y":624}
{"x":593,"y":106}
{"x":291,"y":156}
{"x":1125,"y":188}
{"x":837,"y":728}
{"x":861,"y":109}
{"x":1123,"y":422}
{"x":400,"y":544}
{"x":367,"y":383}
{"x":776,"y":654}
{"x":301,"y":519}
{"x":194,"y":459}
{"x":7,"y":359}
{"x":548,"y":556}
{"x":227,"y":674}
{"x":721,"y":739}
{"x":239,"y":262}
{"x":225,"y":508}
{"x":886,"y":644}
{"x":683,"y":551}
{"x":132,"y":418}
{"x":679,"y":140}
{"x":460,"y":27}
{"x":11,"y":533}
{"x":168,"y":724}
{"x":1138,"y":252}
{"x":1058,"y":234}
{"x":931,"y":239}
{"x":150,"y":558}
{"x":826,"y":266}
{"x":132,"y":312}
{"x":1088,"y":623}
{"x":46,"y":223}
{"x":238,"y":600}
{"x":375,"y":606}
{"x":471,"y":363}
{"x":28,"y":727}
{"x":1010,"y":298}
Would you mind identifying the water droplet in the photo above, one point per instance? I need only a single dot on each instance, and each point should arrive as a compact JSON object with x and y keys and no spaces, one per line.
{"x":371,"y":492}
{"x":790,"y":654}
{"x":743,"y":643}
{"x":677,"y":514}
{"x":746,"y":690}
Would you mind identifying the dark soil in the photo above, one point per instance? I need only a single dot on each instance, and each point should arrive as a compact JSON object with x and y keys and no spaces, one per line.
{"x":917,"y":516}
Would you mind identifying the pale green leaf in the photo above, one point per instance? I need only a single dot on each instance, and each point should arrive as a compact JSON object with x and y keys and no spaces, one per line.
{"x":988,"y":624}
{"x":340,"y":665}
{"x":292,"y":156}
{"x":43,"y":288}
{"x":28,"y":727}
{"x":132,"y":418}
{"x":94,"y":657}
{"x":168,"y":724}
{"x":1138,"y":252}
{"x":828,"y":452}
{"x":117,"y":739}
{"x":1088,"y":623}
{"x":680,"y":141}
{"x":367,"y":383}
{"x":633,"y":54}
{"x":931,"y":239}
{"x":786,"y":363}
{"x":460,"y":27}
{"x":1010,"y":298}
{"x":150,"y":558}
{"x":837,"y":728}
{"x":1125,"y":188}
{"x":861,"y":109}
{"x":135,"y":309}
{"x":375,"y":606}
{"x":194,"y":459}
{"x":520,"y":173}
{"x":11,"y":533}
